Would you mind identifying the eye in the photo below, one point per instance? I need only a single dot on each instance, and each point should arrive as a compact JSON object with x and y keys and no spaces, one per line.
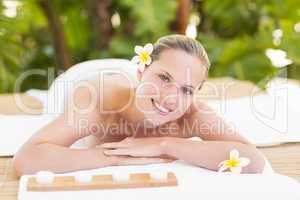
{"x":164,"y":78}
{"x":187,"y":91}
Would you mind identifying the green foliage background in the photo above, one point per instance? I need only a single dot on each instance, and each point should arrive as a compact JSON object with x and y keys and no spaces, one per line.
{"x":235,"y":33}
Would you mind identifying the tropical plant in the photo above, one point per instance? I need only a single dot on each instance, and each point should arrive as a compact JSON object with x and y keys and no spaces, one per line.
{"x":56,"y":34}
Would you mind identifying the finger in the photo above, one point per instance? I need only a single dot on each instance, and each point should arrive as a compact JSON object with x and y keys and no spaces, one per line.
{"x":128,"y":139}
{"x":122,"y":144}
{"x":114,"y":145}
{"x":142,"y":161}
{"x":118,"y":152}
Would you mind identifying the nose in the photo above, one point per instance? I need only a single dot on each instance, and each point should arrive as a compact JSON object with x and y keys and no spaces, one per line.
{"x":169,"y":96}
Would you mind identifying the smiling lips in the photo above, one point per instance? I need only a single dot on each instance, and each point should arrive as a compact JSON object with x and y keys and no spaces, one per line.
{"x":161,"y":109}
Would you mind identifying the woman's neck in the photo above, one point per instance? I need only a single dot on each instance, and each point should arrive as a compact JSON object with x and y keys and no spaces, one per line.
{"x":131,"y":113}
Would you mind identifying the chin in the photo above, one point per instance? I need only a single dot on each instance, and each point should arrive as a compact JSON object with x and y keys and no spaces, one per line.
{"x":154,"y":123}
{"x":156,"y":120}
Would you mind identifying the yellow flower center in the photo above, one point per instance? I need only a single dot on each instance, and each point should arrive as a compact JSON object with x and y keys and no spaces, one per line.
{"x":232,"y":163}
{"x":144,"y":57}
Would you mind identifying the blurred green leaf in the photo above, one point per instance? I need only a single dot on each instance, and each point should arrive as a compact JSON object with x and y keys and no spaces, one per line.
{"x":235,"y":33}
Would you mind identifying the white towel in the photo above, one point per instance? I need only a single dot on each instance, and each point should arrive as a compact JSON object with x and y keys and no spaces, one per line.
{"x":17,"y":129}
{"x":263,"y":119}
{"x":193,"y":183}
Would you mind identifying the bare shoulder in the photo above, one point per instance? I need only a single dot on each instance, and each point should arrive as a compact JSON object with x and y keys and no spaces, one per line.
{"x":110,"y":92}
{"x":199,"y":111}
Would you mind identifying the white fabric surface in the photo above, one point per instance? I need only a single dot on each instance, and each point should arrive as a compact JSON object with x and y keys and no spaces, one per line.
{"x":193,"y":183}
{"x":17,"y":129}
{"x":41,"y":95}
{"x":264,"y":119}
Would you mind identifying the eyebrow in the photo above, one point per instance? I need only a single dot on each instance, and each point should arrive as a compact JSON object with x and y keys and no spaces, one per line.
{"x":171,"y":77}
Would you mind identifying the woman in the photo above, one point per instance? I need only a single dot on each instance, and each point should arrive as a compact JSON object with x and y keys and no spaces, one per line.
{"x":141,"y":122}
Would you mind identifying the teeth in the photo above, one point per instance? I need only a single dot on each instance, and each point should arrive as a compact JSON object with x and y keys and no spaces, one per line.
{"x":161,"y":108}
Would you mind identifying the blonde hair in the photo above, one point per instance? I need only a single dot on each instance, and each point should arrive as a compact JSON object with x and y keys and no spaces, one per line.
{"x":181,"y":42}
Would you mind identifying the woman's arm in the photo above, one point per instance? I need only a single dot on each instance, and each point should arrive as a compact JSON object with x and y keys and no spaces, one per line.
{"x":48,"y":149}
{"x":206,"y":154}
{"x":209,"y":154}
{"x":218,"y":140}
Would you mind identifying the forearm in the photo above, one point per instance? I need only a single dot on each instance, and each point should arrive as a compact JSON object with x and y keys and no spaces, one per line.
{"x":209,"y":154}
{"x":51,"y":157}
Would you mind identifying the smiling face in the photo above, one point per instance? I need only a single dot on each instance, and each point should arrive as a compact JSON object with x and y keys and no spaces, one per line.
{"x":167,"y":86}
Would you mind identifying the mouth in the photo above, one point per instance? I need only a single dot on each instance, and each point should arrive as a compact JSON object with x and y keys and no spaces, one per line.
{"x":160,"y":109}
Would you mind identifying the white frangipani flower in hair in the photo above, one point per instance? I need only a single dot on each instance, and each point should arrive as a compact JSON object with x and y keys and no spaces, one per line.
{"x":143,"y":57}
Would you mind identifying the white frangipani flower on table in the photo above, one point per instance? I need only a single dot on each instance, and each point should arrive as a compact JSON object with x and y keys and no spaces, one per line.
{"x":235,"y":163}
{"x":143,"y":57}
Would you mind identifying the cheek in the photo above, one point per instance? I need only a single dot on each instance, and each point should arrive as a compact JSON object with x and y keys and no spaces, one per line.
{"x":151,"y":90}
{"x":150,"y":86}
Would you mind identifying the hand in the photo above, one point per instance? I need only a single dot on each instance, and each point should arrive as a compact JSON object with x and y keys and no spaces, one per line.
{"x":135,"y":147}
{"x":126,"y":160}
